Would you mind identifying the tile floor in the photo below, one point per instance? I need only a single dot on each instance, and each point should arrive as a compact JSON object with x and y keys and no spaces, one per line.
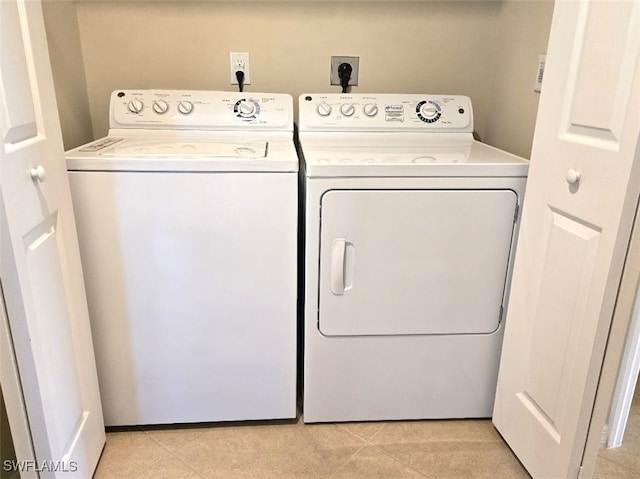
{"x":624,"y":462}
{"x":466,"y":449}
{"x":293,"y":450}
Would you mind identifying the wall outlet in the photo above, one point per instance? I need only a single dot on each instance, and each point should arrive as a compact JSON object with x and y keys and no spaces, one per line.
{"x":540,"y":73}
{"x":239,"y":61}
{"x":335,"y":63}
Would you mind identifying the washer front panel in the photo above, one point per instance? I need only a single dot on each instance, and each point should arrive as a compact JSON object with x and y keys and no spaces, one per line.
{"x":191,"y":287}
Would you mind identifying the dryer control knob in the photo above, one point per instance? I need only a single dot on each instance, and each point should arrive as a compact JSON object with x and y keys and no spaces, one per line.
{"x":347,"y":109}
{"x":160,"y":107}
{"x":185,"y":107}
{"x":135,"y":106}
{"x":428,"y":110}
{"x":323,"y":109}
{"x":370,"y":109}
{"x":246,"y":108}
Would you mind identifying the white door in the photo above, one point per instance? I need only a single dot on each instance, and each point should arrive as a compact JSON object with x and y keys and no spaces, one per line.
{"x":384,"y":273}
{"x":578,"y":211}
{"x":39,"y":260}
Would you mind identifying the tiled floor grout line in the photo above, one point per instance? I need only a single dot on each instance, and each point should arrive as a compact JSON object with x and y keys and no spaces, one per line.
{"x":169,"y":454}
{"x":162,"y":458}
{"x":155,"y":440}
{"x":398,"y":460}
{"x":345,"y":428}
{"x":143,"y":433}
{"x":184,"y":461}
{"x":181,"y":446}
{"x":343,"y":465}
{"x":376,"y":433}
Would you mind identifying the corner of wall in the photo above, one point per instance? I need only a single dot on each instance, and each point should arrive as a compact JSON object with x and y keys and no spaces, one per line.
{"x":67,"y":65}
{"x":523,"y":35}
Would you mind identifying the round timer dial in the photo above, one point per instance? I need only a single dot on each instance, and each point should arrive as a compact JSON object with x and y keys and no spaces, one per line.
{"x":370,"y":109}
{"x":323,"y":109}
{"x":246,"y":108}
{"x":428,"y":111}
{"x":135,"y":106}
{"x":347,"y":109}
{"x":185,"y":107}
{"x":160,"y":107}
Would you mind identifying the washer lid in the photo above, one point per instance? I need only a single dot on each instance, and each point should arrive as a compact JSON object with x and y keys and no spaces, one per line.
{"x":201,"y":148}
{"x":183,"y":154}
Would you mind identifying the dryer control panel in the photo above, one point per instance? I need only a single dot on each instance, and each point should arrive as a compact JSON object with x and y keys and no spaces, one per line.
{"x":200,"y":110}
{"x":384,"y":112}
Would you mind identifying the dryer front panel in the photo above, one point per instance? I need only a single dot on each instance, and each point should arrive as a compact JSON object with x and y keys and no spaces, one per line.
{"x":414,"y":262}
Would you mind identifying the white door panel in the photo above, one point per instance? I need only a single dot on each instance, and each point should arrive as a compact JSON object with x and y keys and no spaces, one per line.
{"x":55,"y":359}
{"x":581,"y":193}
{"x":414,"y":261}
{"x":17,"y":113}
{"x":40,"y":265}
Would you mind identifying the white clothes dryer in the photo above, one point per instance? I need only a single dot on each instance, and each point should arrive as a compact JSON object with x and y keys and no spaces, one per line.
{"x":409,"y":238}
{"x":187,"y":222}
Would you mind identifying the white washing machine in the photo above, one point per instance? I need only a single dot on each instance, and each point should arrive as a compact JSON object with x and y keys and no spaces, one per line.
{"x":187,"y":221}
{"x":409,"y":238}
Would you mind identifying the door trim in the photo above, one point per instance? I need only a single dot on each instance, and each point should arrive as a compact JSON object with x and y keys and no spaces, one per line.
{"x":615,"y":347}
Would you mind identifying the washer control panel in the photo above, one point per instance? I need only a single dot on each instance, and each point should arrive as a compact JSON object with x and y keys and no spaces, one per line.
{"x":384,"y":111}
{"x":200,"y":110}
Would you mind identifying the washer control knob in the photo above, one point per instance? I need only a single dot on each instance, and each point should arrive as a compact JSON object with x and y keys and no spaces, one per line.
{"x":428,"y":110}
{"x":160,"y":107}
{"x":185,"y":107}
{"x":246,"y":108}
{"x":370,"y":109}
{"x":347,"y":109}
{"x":323,"y":109}
{"x":135,"y":106}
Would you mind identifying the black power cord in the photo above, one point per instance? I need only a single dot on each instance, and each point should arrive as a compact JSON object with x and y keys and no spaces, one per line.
{"x":344,"y":73}
{"x":240,"y":78}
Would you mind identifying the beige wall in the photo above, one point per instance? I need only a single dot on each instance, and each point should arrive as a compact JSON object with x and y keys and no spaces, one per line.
{"x":435,"y":47}
{"x":63,"y":36}
{"x":484,"y":49}
{"x":523,"y":35}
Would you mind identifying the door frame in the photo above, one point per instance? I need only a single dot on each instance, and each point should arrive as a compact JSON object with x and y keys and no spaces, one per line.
{"x":627,"y":380}
{"x":615,"y":348}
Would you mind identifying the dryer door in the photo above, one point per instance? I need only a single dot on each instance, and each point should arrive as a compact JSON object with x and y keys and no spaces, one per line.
{"x":397,"y":262}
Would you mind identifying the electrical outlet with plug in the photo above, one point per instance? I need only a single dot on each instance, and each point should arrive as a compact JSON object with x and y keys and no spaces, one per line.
{"x":335,"y":66}
{"x":239,"y":61}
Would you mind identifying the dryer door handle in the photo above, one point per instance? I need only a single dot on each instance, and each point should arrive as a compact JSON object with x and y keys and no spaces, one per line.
{"x":338,"y":247}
